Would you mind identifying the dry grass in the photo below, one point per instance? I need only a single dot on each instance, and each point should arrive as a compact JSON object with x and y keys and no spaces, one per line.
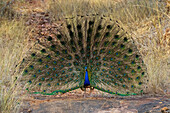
{"x":153,"y":43}
{"x":140,"y":18}
{"x":6,"y":8}
{"x":13,"y":44}
{"x":126,"y":11}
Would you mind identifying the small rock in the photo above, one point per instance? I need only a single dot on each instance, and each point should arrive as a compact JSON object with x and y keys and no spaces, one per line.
{"x":164,"y":109}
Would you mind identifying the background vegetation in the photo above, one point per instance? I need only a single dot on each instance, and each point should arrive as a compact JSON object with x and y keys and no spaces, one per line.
{"x":145,"y":20}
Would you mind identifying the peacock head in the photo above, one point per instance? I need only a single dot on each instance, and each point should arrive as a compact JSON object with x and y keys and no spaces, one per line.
{"x":86,"y":68}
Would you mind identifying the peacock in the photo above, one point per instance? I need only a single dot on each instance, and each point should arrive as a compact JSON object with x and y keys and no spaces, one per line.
{"x":88,"y":51}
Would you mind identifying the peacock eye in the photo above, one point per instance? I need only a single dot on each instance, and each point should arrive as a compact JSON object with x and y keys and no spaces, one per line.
{"x":130,"y":50}
{"x":78,"y":27}
{"x":116,"y":36}
{"x":59,"y":36}
{"x":49,"y":38}
{"x":91,"y":23}
{"x":99,"y":27}
{"x":109,"y":27}
{"x":43,"y":51}
{"x":69,"y":26}
{"x":33,"y":54}
{"x":125,"y":39}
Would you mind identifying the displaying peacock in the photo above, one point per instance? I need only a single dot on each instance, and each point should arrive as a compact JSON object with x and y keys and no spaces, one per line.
{"x":87,"y":51}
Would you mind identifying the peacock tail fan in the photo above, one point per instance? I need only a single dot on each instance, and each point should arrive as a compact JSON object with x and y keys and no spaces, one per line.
{"x":57,"y":62}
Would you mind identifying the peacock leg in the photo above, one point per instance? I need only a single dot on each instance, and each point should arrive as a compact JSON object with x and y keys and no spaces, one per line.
{"x":84,"y":92}
{"x":82,"y":88}
{"x":91,"y":90}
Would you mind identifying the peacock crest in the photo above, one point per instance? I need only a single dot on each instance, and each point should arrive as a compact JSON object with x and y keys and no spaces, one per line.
{"x":87,"y":50}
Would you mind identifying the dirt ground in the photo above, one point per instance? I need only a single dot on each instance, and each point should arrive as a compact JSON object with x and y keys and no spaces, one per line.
{"x":97,"y":105}
{"x":77,"y":102}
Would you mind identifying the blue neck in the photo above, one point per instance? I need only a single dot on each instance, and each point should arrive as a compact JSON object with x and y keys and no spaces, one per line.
{"x":86,"y":81}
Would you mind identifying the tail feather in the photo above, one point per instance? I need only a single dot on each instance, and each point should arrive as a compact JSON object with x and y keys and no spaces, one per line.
{"x":57,"y":62}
